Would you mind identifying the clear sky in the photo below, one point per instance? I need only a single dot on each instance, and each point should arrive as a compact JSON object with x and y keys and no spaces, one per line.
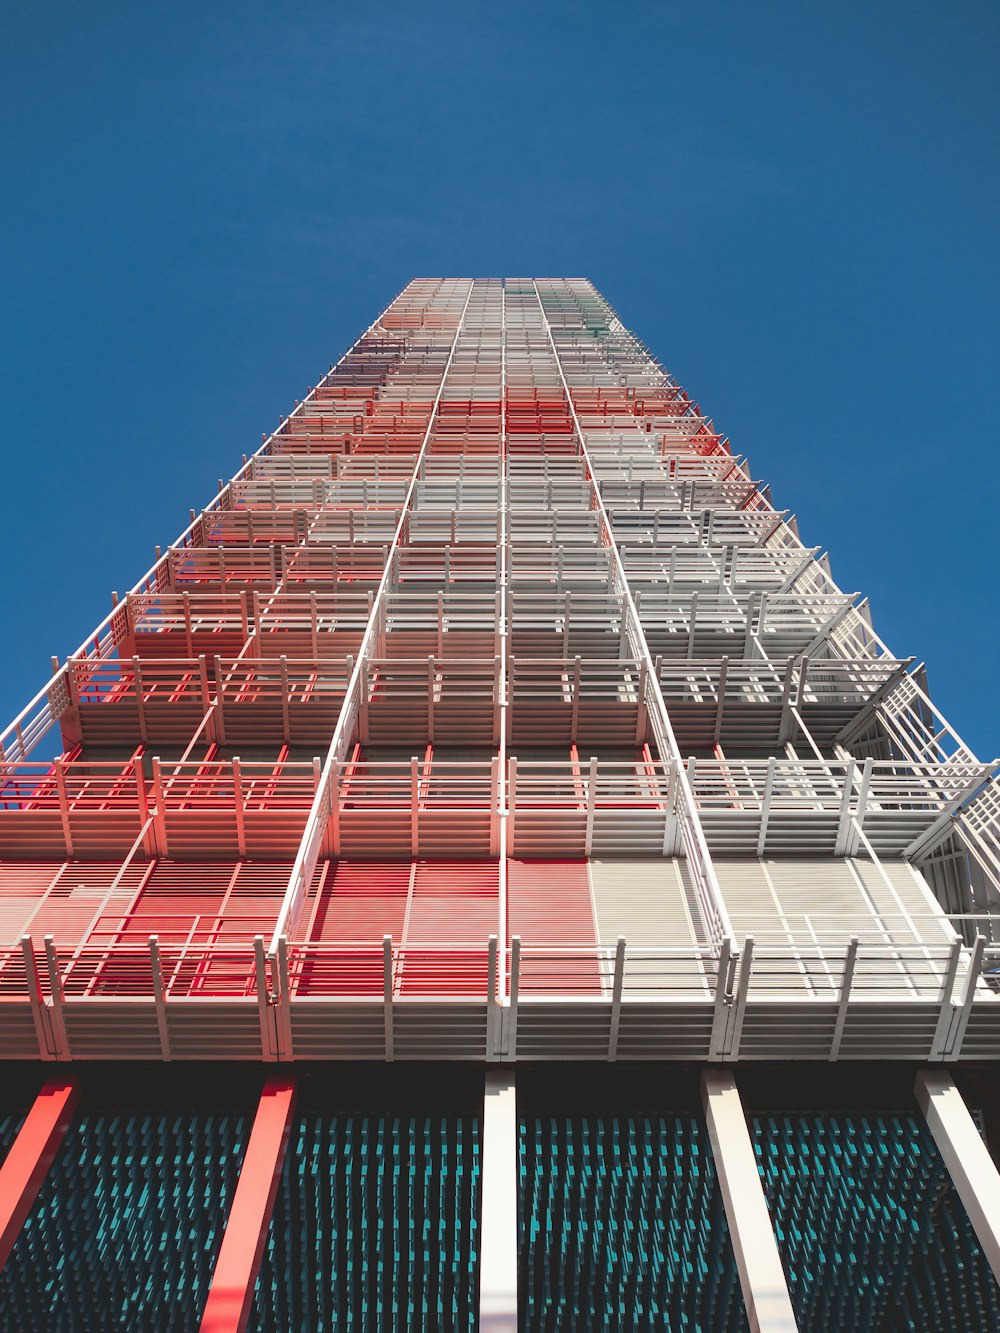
{"x":794,"y":205}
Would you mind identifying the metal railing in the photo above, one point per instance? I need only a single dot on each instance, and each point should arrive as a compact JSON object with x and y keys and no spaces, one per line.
{"x":75,"y":1001}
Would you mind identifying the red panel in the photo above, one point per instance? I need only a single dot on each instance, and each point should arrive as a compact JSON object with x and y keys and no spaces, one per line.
{"x":549,"y":906}
{"x":31,"y":1155}
{"x":179,"y":892}
{"x":454,"y":902}
{"x":23,"y":884}
{"x":75,"y":891}
{"x":211,"y":898}
{"x":362,"y":901}
{"x":186,"y":904}
{"x":230,"y":1296}
{"x":455,"y":907}
{"x":548,"y":902}
{"x":441,"y":913}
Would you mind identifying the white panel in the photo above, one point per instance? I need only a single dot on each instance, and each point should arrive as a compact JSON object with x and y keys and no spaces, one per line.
{"x":647,"y":902}
{"x":909,"y":899}
{"x":653,"y":906}
{"x":802,"y":914}
{"x":829,"y":900}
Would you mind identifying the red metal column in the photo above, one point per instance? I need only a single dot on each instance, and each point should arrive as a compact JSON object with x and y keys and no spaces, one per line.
{"x":231,"y":1293}
{"x":31,"y":1155}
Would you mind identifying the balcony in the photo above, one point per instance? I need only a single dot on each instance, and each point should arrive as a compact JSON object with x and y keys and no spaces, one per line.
{"x":761,"y":704}
{"x":814,"y":807}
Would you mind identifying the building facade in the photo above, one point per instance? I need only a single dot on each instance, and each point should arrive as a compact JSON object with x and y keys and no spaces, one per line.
{"x":493,"y":724}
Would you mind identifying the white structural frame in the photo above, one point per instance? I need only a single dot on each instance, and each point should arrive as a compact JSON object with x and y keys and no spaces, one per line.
{"x":762,"y":1278}
{"x":966,"y":1156}
{"x":499,"y":1207}
{"x":734,"y":638}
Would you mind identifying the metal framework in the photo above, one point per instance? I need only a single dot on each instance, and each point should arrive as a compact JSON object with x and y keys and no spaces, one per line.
{"x":230,"y":1297}
{"x":493,"y":710}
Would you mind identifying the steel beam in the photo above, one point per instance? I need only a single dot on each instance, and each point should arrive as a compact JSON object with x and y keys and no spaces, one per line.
{"x":31,"y":1155}
{"x":765,"y":1292}
{"x":498,"y":1264}
{"x":231,"y":1293}
{"x":965,"y":1155}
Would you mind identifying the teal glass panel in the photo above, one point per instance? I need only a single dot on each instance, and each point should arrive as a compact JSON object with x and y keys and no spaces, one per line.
{"x":126,"y":1228}
{"x":871,"y":1231}
{"x":623,"y":1227}
{"x":375,"y":1227}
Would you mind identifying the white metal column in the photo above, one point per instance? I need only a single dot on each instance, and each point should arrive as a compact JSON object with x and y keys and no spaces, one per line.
{"x":769,"y":1307}
{"x":966,"y":1156}
{"x":498,"y":1262}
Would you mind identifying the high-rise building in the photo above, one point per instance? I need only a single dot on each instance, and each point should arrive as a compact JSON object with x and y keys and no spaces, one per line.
{"x":488,"y":871}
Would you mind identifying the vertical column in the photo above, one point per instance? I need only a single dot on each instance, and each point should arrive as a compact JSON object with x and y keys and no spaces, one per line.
{"x":966,"y":1156}
{"x":498,"y":1247}
{"x":231,"y":1293}
{"x":31,"y":1155}
{"x":503,"y":612}
{"x":769,"y":1307}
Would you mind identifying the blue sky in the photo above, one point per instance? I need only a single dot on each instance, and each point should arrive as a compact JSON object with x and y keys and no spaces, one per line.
{"x":794,"y":205}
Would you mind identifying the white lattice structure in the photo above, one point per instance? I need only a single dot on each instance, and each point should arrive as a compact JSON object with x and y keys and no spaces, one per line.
{"x":492,"y":709}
